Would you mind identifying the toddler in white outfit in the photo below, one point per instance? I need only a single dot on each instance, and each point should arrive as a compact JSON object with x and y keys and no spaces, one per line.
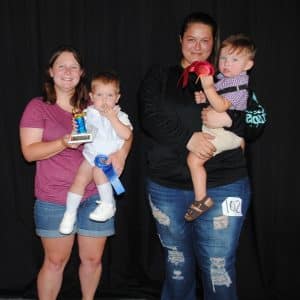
{"x":110,"y":128}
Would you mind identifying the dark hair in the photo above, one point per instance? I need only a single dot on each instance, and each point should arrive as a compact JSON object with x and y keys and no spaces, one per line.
{"x":203,"y":18}
{"x":106,"y":77}
{"x":240,"y":42}
{"x":80,"y":98}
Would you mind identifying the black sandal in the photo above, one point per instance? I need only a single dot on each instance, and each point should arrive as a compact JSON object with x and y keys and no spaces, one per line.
{"x":198,"y":207}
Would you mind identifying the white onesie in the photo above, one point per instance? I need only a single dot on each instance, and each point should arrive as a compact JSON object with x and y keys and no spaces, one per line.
{"x":105,"y":139}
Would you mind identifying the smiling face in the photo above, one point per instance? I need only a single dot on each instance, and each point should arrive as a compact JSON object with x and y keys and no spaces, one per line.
{"x":104,"y":95}
{"x":196,"y":43}
{"x":65,"y":72}
{"x":233,"y":62}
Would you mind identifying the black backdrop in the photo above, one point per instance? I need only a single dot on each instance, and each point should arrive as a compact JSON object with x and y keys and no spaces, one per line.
{"x":129,"y":36}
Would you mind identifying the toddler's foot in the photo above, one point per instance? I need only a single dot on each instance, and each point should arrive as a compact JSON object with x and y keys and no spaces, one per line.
{"x":103,"y":212}
{"x":67,"y":224}
{"x":198,"y":207}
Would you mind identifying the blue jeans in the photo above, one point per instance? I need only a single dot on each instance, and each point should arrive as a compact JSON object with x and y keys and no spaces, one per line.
{"x":209,"y":242}
{"x":47,"y":217}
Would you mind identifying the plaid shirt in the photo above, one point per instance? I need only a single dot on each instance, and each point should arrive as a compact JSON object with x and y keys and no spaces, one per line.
{"x":237,"y":98}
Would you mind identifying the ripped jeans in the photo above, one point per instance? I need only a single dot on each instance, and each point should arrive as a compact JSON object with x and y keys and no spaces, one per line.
{"x":209,"y":242}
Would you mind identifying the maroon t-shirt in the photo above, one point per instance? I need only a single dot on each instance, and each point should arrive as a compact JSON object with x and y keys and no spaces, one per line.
{"x":54,"y":175}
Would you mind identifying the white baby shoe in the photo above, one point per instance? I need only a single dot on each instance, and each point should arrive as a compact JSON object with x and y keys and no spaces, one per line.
{"x":103,"y":212}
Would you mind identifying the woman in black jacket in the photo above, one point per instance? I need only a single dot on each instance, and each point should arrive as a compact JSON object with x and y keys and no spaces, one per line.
{"x":171,"y":121}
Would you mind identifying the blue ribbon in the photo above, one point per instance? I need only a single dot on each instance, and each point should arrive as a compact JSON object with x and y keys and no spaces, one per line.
{"x":100,"y":162}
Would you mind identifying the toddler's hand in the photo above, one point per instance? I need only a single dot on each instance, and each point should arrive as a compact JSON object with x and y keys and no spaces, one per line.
{"x":207,"y":82}
{"x":108,"y":112}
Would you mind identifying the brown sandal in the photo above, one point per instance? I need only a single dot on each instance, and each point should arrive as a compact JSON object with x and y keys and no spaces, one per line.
{"x":198,"y":207}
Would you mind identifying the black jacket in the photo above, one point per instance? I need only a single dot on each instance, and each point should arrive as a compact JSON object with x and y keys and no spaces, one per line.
{"x":169,"y":116}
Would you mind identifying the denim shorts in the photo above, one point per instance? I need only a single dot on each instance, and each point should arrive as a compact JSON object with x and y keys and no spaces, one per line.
{"x":47,"y":217}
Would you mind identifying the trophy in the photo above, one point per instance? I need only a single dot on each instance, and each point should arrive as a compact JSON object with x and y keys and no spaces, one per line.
{"x":81,"y":135}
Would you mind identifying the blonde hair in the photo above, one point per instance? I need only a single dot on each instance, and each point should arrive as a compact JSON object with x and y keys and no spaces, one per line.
{"x":106,"y":78}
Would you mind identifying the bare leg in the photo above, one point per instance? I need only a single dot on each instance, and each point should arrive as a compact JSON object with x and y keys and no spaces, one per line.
{"x":90,"y":252}
{"x":198,"y":173}
{"x":56,"y":254}
{"x":202,"y":202}
{"x":83,"y":178}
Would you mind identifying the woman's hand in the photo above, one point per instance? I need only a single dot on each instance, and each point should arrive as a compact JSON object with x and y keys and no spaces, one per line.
{"x":213,"y":119}
{"x":34,"y":148}
{"x":65,"y":141}
{"x":200,"y":145}
{"x":117,"y":159}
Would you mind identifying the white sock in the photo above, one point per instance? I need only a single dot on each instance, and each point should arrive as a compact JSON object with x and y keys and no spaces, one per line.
{"x":106,"y":193}
{"x":73,"y":201}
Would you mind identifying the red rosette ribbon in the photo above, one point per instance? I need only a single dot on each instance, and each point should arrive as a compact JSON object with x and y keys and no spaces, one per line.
{"x":197,"y":67}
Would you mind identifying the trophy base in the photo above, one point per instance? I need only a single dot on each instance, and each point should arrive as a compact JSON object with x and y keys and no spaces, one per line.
{"x":80,"y":138}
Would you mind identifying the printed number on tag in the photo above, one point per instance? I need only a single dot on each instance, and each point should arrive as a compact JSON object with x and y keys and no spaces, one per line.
{"x":232,"y":206}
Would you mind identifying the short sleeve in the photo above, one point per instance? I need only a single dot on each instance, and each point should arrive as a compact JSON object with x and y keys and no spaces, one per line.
{"x":123,"y":117}
{"x":32,"y":116}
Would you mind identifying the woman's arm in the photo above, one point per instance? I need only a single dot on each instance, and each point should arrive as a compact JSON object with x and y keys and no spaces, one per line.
{"x":200,"y":145}
{"x":159,"y":122}
{"x":163,"y":125}
{"x":214,"y":119}
{"x":33,"y":148}
{"x":233,"y":120}
{"x":118,"y":158}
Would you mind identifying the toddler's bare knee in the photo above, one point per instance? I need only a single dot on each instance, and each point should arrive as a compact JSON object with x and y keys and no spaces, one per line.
{"x":194,"y":161}
{"x":191,"y":159}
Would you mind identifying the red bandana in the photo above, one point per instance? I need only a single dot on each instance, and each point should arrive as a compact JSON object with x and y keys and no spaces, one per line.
{"x":197,"y":67}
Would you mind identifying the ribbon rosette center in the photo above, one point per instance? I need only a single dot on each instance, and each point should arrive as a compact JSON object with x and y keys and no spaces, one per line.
{"x":197,"y":67}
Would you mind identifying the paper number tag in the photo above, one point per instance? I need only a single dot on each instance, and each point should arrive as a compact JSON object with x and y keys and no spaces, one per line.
{"x":232,"y":206}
